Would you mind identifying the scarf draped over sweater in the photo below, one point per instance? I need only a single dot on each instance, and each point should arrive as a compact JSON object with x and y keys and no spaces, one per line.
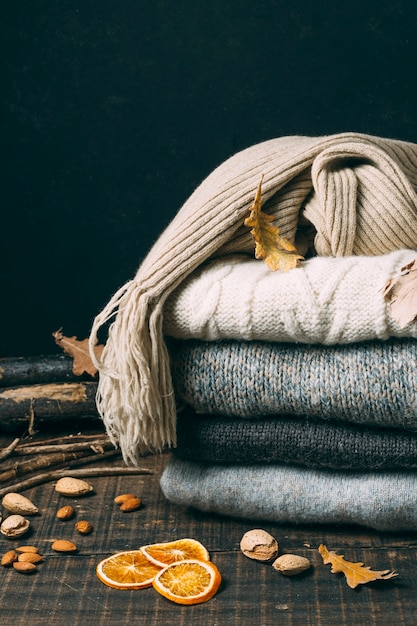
{"x":357,"y":192}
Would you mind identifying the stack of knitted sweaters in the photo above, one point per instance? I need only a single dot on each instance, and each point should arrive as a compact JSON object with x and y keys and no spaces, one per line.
{"x":299,"y":394}
{"x":285,"y":396}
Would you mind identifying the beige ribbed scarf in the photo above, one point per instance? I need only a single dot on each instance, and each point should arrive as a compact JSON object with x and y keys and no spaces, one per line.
{"x":358,"y":191}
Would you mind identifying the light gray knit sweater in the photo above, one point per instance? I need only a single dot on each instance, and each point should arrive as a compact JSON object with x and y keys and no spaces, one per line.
{"x":288,"y":494}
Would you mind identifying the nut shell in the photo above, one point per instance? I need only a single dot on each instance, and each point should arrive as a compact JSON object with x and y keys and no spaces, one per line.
{"x":291,"y":564}
{"x":68,"y":486}
{"x":14,"y":526}
{"x":259,"y":545}
{"x":16,"y":503}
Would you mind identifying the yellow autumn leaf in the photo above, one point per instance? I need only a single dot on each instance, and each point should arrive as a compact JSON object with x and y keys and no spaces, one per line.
{"x":356,"y":573}
{"x":277,"y":252}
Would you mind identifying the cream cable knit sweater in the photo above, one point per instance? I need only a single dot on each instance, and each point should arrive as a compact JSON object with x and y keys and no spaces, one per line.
{"x":358,"y":191}
{"x":326,"y":300}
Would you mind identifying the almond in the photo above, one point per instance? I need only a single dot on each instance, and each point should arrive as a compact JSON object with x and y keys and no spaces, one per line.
{"x":83,"y":527}
{"x":29,"y":557}
{"x":259,"y":545}
{"x":24,"y":568}
{"x":123,"y":497}
{"x":291,"y":564}
{"x":65,"y":512}
{"x":8,"y":558}
{"x":27,"y":549}
{"x":16,"y":503}
{"x":14,"y":526}
{"x":132,"y":504}
{"x":62,"y":545}
{"x":68,"y":486}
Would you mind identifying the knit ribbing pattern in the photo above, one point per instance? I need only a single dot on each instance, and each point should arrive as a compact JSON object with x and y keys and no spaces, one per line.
{"x":293,"y":440}
{"x":326,"y":300}
{"x":359,"y":193}
{"x":288,"y":494}
{"x":370,"y":383}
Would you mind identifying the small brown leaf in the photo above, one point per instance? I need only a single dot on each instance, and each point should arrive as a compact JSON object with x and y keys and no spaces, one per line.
{"x":356,"y":574}
{"x":79,"y":351}
{"x":276,"y":251}
{"x":401,"y":291}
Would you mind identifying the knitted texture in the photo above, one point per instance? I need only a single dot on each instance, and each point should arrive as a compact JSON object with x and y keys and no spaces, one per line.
{"x":288,"y":494}
{"x":327,"y":301}
{"x":356,"y":190}
{"x":370,"y":383}
{"x":301,"y":441}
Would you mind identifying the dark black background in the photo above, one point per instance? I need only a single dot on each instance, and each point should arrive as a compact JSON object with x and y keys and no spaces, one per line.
{"x":114,"y":111}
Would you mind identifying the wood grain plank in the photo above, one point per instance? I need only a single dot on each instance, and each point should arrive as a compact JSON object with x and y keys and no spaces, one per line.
{"x":65,"y":589}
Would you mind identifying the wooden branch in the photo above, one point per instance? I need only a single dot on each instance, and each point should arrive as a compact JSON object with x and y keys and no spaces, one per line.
{"x":8,"y":450}
{"x":41,"y":462}
{"x":77,"y":473}
{"x":22,"y":407}
{"x":94,"y":445}
{"x":61,"y":439}
{"x":35,"y":370}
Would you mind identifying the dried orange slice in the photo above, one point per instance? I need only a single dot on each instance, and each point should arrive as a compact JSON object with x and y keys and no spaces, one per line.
{"x":188,"y":582}
{"x":163,"y":554}
{"x":127,"y":570}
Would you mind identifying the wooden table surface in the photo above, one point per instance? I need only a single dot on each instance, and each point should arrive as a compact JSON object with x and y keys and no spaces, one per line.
{"x":65,"y":590}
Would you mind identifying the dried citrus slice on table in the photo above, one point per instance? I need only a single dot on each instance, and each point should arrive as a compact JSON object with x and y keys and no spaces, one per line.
{"x":163,"y":554}
{"x":127,"y":570}
{"x":188,"y":582}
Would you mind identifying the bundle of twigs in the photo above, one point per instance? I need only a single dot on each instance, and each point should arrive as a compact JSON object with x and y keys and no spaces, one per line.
{"x":26,"y":464}
{"x":44,"y":391}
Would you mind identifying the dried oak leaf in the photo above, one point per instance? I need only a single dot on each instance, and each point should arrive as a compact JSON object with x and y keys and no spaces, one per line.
{"x":276,"y":251}
{"x":401,"y":291}
{"x":79,"y":351}
{"x":356,"y":574}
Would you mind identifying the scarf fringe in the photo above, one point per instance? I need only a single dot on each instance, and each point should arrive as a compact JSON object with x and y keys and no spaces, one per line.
{"x":134,"y":372}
